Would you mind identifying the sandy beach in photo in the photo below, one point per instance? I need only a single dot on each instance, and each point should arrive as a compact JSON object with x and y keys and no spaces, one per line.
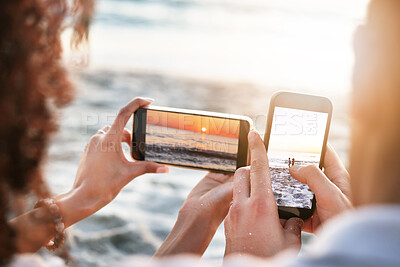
{"x":289,"y":192}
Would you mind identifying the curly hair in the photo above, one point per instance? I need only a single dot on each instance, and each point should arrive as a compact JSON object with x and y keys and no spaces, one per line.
{"x":32,"y":80}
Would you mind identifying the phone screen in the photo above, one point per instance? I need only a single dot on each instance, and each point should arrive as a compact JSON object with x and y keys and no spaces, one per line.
{"x":296,"y":138}
{"x":192,"y":140}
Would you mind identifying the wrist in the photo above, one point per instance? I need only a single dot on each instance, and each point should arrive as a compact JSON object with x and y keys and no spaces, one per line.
{"x":202,"y":221}
{"x":33,"y":230}
{"x":200,"y":213}
{"x":73,"y":208}
{"x":191,"y":233}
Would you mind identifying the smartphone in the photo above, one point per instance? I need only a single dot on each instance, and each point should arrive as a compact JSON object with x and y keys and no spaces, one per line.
{"x":296,"y":134}
{"x":190,"y":138}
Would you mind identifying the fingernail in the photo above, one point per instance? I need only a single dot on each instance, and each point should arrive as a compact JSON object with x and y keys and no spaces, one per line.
{"x":162,"y":169}
{"x":295,"y":168}
{"x":149,"y":99}
{"x":252,"y":135}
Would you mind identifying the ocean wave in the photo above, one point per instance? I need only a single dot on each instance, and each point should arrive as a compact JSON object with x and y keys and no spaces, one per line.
{"x":180,"y":152}
{"x":289,"y":192}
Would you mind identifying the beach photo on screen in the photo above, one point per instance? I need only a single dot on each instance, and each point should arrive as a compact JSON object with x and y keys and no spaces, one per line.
{"x":296,"y":139}
{"x":192,"y":140}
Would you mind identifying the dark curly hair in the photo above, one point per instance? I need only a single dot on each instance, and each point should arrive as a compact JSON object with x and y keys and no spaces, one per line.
{"x":32,"y":81}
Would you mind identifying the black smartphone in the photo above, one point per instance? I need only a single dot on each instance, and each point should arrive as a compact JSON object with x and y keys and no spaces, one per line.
{"x":296,"y":134}
{"x":190,"y":138}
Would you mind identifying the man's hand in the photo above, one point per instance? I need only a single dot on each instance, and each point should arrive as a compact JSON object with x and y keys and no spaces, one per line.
{"x":252,"y":225}
{"x":331,"y":188}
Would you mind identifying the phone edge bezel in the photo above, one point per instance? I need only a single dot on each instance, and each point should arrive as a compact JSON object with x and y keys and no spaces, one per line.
{"x":302,"y":212}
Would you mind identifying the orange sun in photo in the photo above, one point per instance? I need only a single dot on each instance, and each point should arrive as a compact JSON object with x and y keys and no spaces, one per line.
{"x":196,"y":123}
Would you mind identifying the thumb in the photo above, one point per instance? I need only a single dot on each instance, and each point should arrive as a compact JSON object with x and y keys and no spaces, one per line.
{"x":313,"y":177}
{"x":137,"y":168}
{"x":294,"y":226}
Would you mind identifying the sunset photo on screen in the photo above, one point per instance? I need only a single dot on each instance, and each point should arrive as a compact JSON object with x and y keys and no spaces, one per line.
{"x":192,"y":140}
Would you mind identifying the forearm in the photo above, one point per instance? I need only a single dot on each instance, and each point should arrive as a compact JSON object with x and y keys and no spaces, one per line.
{"x":33,"y":230}
{"x":75,"y":206}
{"x":191,"y":234}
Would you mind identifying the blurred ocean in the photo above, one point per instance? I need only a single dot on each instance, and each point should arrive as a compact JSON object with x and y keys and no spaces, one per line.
{"x":215,"y":55}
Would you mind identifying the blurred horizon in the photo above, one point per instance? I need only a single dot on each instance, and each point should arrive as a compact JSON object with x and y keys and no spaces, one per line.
{"x":299,"y":45}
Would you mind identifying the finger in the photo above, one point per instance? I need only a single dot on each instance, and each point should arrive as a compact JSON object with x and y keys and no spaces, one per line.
{"x":311,"y":225}
{"x":294,"y":226}
{"x":126,"y":112}
{"x":335,"y":170}
{"x":308,"y":226}
{"x":241,"y":184}
{"x":249,"y":157}
{"x":137,"y":168}
{"x":315,"y":179}
{"x":248,"y":151}
{"x":333,"y":164}
{"x":127,"y":137}
{"x":104,"y":129}
{"x":260,"y":180}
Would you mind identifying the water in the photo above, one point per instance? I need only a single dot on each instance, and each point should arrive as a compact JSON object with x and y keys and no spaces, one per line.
{"x":289,"y":192}
{"x":187,"y":148}
{"x":279,"y":159}
{"x":223,"y":56}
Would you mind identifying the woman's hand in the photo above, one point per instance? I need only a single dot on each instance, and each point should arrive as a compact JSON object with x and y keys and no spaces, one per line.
{"x":103,"y":169}
{"x":202,"y":212}
{"x":331,"y":188}
{"x":253,"y":225}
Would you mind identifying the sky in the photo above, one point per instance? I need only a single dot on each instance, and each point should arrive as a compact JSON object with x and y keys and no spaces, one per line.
{"x":297,"y":130}
{"x":195,"y":123}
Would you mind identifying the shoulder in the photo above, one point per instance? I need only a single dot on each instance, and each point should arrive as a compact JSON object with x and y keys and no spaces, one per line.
{"x":364,"y":237}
